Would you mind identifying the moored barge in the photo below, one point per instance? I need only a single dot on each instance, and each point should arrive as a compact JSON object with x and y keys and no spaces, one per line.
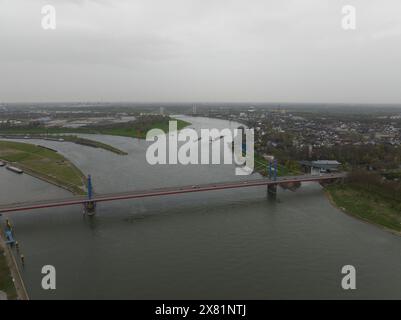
{"x":15,"y":169}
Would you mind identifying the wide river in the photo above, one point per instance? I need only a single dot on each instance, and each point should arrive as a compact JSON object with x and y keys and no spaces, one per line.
{"x":223,"y":244}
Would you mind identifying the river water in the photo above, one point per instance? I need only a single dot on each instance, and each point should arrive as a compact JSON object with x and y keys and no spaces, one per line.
{"x":228,"y":244}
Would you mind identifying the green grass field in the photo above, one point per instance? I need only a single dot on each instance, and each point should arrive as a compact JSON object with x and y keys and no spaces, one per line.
{"x":366,"y":205}
{"x":6,"y":282}
{"x":45,"y":163}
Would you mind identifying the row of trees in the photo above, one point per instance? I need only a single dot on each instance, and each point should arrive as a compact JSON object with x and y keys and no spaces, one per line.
{"x":373,"y":157}
{"x":376,"y":184}
{"x":376,"y":157}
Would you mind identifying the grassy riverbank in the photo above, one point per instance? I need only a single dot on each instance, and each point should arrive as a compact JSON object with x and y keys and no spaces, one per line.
{"x":69,"y":138}
{"x":6,"y":282}
{"x":92,"y":143}
{"x":368,"y":205}
{"x":45,"y":164}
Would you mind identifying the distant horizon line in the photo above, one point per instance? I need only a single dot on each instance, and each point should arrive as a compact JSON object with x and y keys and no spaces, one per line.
{"x":199,"y":103}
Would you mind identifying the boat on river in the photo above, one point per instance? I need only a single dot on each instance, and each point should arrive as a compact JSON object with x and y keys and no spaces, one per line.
{"x":15,"y":169}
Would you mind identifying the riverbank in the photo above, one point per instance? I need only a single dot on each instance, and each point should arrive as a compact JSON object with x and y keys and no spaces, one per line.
{"x":45,"y":164}
{"x":6,"y":280}
{"x":11,"y":282}
{"x":368,"y":206}
{"x":68,"y":138}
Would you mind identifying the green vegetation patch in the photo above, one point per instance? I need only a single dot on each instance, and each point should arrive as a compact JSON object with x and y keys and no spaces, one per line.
{"x":134,"y":129}
{"x":392,"y":174}
{"x":6,"y":282}
{"x":367,"y":205}
{"x":141,"y":131}
{"x":290,"y":168}
{"x":45,"y":163}
{"x":90,"y":143}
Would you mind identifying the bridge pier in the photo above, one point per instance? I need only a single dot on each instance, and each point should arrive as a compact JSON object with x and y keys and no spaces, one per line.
{"x":272,"y":191}
{"x":90,"y":206}
{"x":272,"y":188}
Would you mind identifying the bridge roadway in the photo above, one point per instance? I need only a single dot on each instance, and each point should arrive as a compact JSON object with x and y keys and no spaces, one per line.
{"x":21,"y":206}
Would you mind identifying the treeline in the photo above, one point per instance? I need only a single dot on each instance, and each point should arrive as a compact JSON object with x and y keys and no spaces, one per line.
{"x":137,"y":128}
{"x":375,"y":157}
{"x":376,"y":184}
{"x":371,"y":157}
{"x":11,"y":125}
{"x":141,"y":124}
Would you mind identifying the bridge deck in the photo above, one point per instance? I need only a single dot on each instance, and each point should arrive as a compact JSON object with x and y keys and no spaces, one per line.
{"x":165,"y":191}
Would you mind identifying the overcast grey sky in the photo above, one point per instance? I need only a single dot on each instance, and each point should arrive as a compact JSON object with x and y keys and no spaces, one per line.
{"x":201,"y":50}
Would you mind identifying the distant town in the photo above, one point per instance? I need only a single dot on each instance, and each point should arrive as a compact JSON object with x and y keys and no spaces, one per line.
{"x":357,"y":136}
{"x":322,"y":132}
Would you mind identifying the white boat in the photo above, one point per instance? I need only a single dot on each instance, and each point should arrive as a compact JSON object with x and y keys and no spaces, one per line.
{"x":15,"y":169}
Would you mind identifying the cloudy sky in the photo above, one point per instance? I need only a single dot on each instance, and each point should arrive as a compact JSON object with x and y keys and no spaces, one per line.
{"x":201,"y":50}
